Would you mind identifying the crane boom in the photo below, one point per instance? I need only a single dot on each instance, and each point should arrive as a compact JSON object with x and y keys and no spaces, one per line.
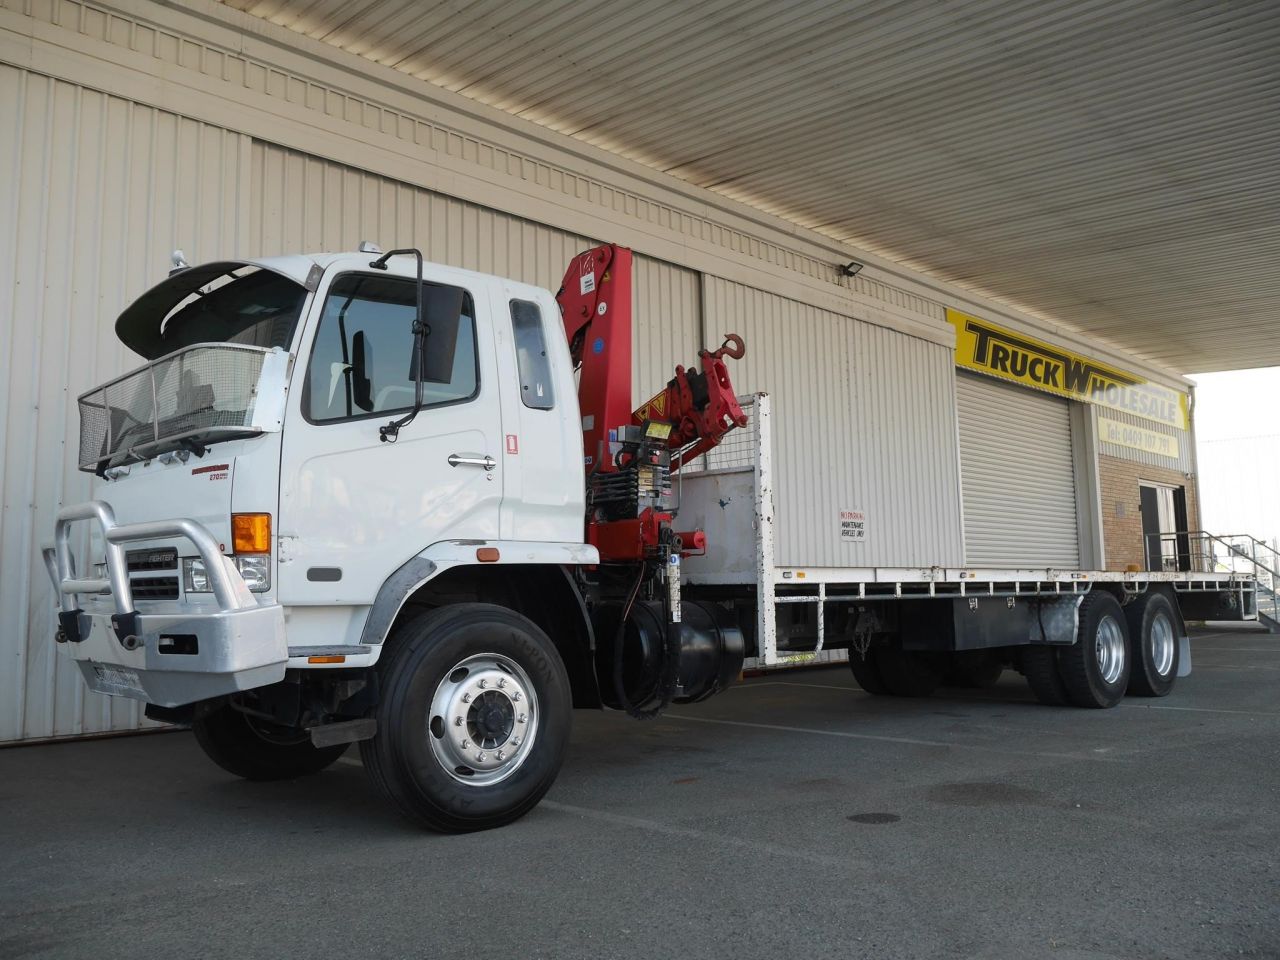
{"x":631,"y":454}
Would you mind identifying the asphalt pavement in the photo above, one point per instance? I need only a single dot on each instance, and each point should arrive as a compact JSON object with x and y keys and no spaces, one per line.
{"x":794,"y":816}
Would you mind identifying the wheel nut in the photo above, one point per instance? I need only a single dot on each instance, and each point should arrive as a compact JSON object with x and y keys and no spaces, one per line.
{"x":515,"y":697}
{"x":515,"y":741}
{"x":466,"y":698}
{"x":501,"y":755}
{"x":483,"y":684}
{"x":465,"y":744}
{"x":502,"y":683}
{"x":481,"y":756}
{"x":457,"y":721}
{"x":521,"y":718}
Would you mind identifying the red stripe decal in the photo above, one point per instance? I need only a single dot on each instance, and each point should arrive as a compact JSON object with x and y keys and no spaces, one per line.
{"x":212,"y":469}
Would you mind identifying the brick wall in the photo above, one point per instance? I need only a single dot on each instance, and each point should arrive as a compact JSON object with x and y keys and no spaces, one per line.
{"x":1121,"y":506}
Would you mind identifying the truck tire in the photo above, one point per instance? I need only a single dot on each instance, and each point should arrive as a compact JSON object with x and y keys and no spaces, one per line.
{"x":973,"y":669}
{"x":909,"y":673}
{"x":1040,"y":667}
{"x":1154,"y":649}
{"x":474,"y":718}
{"x":866,"y":672}
{"x":1095,"y":669}
{"x":256,"y":751}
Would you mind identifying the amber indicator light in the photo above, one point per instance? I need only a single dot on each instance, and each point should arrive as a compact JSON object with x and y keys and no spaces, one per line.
{"x":251,"y":533}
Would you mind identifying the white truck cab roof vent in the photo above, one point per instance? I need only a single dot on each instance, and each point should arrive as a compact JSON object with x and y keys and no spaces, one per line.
{"x":179,"y":260}
{"x":368,"y":246}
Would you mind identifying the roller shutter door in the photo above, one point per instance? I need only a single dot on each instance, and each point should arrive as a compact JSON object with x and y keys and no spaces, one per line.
{"x":1017,"y":479}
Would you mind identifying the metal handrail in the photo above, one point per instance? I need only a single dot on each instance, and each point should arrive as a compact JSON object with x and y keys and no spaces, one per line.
{"x":1207,"y":552}
{"x":1186,"y":543}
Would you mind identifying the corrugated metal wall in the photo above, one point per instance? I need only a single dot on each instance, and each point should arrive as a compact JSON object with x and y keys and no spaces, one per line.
{"x":1018,"y":476}
{"x":1186,"y":442}
{"x":864,"y":419}
{"x":667,"y":306}
{"x":93,"y":192}
{"x":302,"y":203}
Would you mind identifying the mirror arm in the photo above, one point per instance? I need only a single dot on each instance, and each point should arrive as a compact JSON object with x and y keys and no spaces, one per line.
{"x":390,"y":432}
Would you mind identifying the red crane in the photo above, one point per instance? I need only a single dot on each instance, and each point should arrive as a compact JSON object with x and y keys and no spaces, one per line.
{"x":631,"y":454}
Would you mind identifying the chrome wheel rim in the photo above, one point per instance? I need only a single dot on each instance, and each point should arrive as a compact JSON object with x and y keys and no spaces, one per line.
{"x":483,"y":720}
{"x":1109,"y":648}
{"x":1162,"y":644}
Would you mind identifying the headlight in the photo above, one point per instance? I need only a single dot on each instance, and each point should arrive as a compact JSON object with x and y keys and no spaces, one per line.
{"x":194,"y":576}
{"x":255,"y":569}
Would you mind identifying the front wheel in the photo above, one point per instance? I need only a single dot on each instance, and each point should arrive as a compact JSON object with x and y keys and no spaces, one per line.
{"x":474,"y":718}
{"x":257,"y":750}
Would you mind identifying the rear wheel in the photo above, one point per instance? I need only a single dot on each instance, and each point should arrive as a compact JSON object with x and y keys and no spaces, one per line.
{"x":866,"y":672}
{"x":1040,"y":667}
{"x":974,"y":669}
{"x":1153,"y":645}
{"x":256,"y":750}
{"x":909,"y":673}
{"x":1095,"y":669}
{"x":474,"y":718}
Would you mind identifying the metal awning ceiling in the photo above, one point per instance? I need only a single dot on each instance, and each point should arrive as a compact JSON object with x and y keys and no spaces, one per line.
{"x":1112,"y":165}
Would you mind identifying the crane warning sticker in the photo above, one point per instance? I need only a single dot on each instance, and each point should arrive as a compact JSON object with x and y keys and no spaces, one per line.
{"x":853,"y":525}
{"x":586,"y":283}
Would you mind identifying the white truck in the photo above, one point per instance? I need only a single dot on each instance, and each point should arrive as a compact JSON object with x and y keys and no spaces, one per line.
{"x":358,"y":498}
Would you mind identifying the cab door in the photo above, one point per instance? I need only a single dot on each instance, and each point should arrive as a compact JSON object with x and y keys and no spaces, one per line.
{"x":353,"y":507}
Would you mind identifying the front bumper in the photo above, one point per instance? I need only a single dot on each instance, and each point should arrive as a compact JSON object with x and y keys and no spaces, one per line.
{"x":169,"y":653}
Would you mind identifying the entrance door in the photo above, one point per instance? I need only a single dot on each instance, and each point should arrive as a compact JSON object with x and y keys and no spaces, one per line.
{"x":353,"y":508}
{"x":1164,"y":525}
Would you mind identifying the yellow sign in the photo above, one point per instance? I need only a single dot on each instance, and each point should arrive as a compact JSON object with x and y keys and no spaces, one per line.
{"x":1136,"y":438}
{"x":987,"y":348}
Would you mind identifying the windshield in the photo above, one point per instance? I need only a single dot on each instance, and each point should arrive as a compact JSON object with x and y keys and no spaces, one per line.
{"x":259,"y":309}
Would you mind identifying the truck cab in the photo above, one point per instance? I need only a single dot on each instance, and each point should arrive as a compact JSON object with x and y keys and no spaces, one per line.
{"x":251,"y":514}
{"x":343,"y":501}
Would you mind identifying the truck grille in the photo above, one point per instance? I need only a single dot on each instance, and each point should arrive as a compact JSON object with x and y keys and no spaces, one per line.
{"x":158,"y":586}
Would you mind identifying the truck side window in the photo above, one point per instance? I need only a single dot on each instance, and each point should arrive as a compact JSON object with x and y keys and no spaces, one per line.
{"x":361,"y":362}
{"x":531,"y":355}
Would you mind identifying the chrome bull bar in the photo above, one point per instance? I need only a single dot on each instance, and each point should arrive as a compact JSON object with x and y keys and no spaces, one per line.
{"x":173,"y":652}
{"x":229,"y":590}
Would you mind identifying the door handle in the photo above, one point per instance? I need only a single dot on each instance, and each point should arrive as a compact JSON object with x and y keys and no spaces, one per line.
{"x":458,"y":459}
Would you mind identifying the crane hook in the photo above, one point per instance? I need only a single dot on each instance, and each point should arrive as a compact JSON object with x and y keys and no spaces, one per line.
{"x":733,"y":347}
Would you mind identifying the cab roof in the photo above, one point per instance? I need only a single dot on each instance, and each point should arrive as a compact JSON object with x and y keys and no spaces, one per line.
{"x":139,"y":325}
